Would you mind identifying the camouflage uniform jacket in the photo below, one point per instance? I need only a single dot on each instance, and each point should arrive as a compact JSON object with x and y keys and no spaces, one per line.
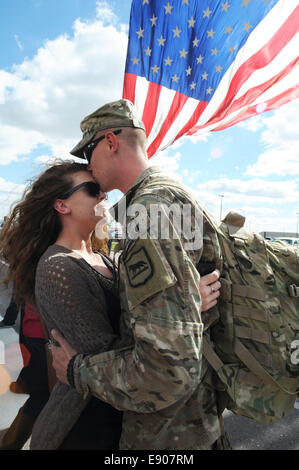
{"x":161,"y":381}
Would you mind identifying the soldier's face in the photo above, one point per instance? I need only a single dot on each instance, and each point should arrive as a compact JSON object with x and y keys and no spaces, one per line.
{"x":99,"y":167}
{"x":102,"y":161}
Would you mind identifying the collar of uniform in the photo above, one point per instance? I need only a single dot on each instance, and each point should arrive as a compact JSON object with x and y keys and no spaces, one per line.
{"x":150,"y":171}
{"x":125,"y":200}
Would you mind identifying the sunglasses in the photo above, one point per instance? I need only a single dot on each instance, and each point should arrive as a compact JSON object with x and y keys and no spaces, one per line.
{"x":92,"y":189}
{"x":88,"y":149}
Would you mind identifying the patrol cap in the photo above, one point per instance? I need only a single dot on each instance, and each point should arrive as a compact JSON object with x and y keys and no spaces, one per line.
{"x":121,"y":113}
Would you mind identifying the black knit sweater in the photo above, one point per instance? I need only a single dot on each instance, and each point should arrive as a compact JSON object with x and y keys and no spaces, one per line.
{"x":83,"y":305}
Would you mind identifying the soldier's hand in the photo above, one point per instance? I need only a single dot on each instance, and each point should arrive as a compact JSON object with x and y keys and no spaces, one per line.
{"x":61,"y":356}
{"x":209,"y":288}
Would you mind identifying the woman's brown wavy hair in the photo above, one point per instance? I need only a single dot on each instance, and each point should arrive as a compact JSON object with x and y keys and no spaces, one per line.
{"x":33,"y":225}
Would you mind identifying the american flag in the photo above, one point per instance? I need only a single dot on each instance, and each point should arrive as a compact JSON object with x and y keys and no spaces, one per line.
{"x":204,"y":65}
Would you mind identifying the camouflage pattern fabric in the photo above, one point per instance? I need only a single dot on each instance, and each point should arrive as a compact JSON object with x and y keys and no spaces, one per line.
{"x":259,"y":323}
{"x":119,"y":113}
{"x":161,"y":381}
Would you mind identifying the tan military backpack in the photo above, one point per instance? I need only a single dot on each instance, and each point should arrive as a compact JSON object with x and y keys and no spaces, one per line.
{"x":256,"y":340}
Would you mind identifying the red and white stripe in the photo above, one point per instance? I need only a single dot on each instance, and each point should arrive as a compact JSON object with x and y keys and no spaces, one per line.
{"x":263,"y":76}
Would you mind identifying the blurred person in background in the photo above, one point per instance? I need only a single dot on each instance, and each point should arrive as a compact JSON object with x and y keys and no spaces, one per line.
{"x":32,"y":380}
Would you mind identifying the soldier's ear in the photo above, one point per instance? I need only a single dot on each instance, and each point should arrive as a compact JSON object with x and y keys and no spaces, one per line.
{"x":112,"y":140}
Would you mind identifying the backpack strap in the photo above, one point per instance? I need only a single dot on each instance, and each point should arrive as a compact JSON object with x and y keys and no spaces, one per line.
{"x":253,"y":365}
{"x":253,"y":334}
{"x":247,"y":358}
{"x":229,"y":290}
{"x":211,"y":356}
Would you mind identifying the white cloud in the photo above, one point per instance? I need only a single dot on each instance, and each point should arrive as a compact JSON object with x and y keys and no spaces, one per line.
{"x":10,"y":193}
{"x":45,"y":159}
{"x":16,"y":142}
{"x":259,"y":216}
{"x":278,"y":161}
{"x":199,"y":138}
{"x":253,"y":124}
{"x":19,"y":44}
{"x":282,"y":127}
{"x":45,"y":98}
{"x":258,"y":211}
{"x":255,"y":190}
{"x":267,"y":222}
{"x":191,"y":138}
{"x":168,"y":163}
{"x":104,"y":13}
{"x":11,"y":188}
{"x":281,"y":138}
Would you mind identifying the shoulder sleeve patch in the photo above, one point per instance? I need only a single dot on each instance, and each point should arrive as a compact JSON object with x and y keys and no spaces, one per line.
{"x":139,"y":267}
{"x":145,"y":271}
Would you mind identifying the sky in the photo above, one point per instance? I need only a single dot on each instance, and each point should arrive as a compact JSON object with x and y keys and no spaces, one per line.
{"x":62,"y":59}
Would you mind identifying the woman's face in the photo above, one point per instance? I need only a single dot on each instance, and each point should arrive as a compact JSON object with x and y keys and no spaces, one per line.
{"x":85,"y":206}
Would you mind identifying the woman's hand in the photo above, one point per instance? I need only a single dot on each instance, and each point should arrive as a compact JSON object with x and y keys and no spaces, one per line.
{"x":209,"y":288}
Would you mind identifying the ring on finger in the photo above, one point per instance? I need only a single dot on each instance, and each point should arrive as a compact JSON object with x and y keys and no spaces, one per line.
{"x":213,"y":290}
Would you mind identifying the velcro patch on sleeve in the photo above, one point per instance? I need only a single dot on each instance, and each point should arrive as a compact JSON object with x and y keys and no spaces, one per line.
{"x":146,"y":271}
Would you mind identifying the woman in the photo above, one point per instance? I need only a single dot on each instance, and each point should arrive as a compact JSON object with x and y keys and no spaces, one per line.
{"x":47,"y":244}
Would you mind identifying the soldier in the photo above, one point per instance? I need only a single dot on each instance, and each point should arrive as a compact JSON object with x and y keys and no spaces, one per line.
{"x":161,"y":381}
